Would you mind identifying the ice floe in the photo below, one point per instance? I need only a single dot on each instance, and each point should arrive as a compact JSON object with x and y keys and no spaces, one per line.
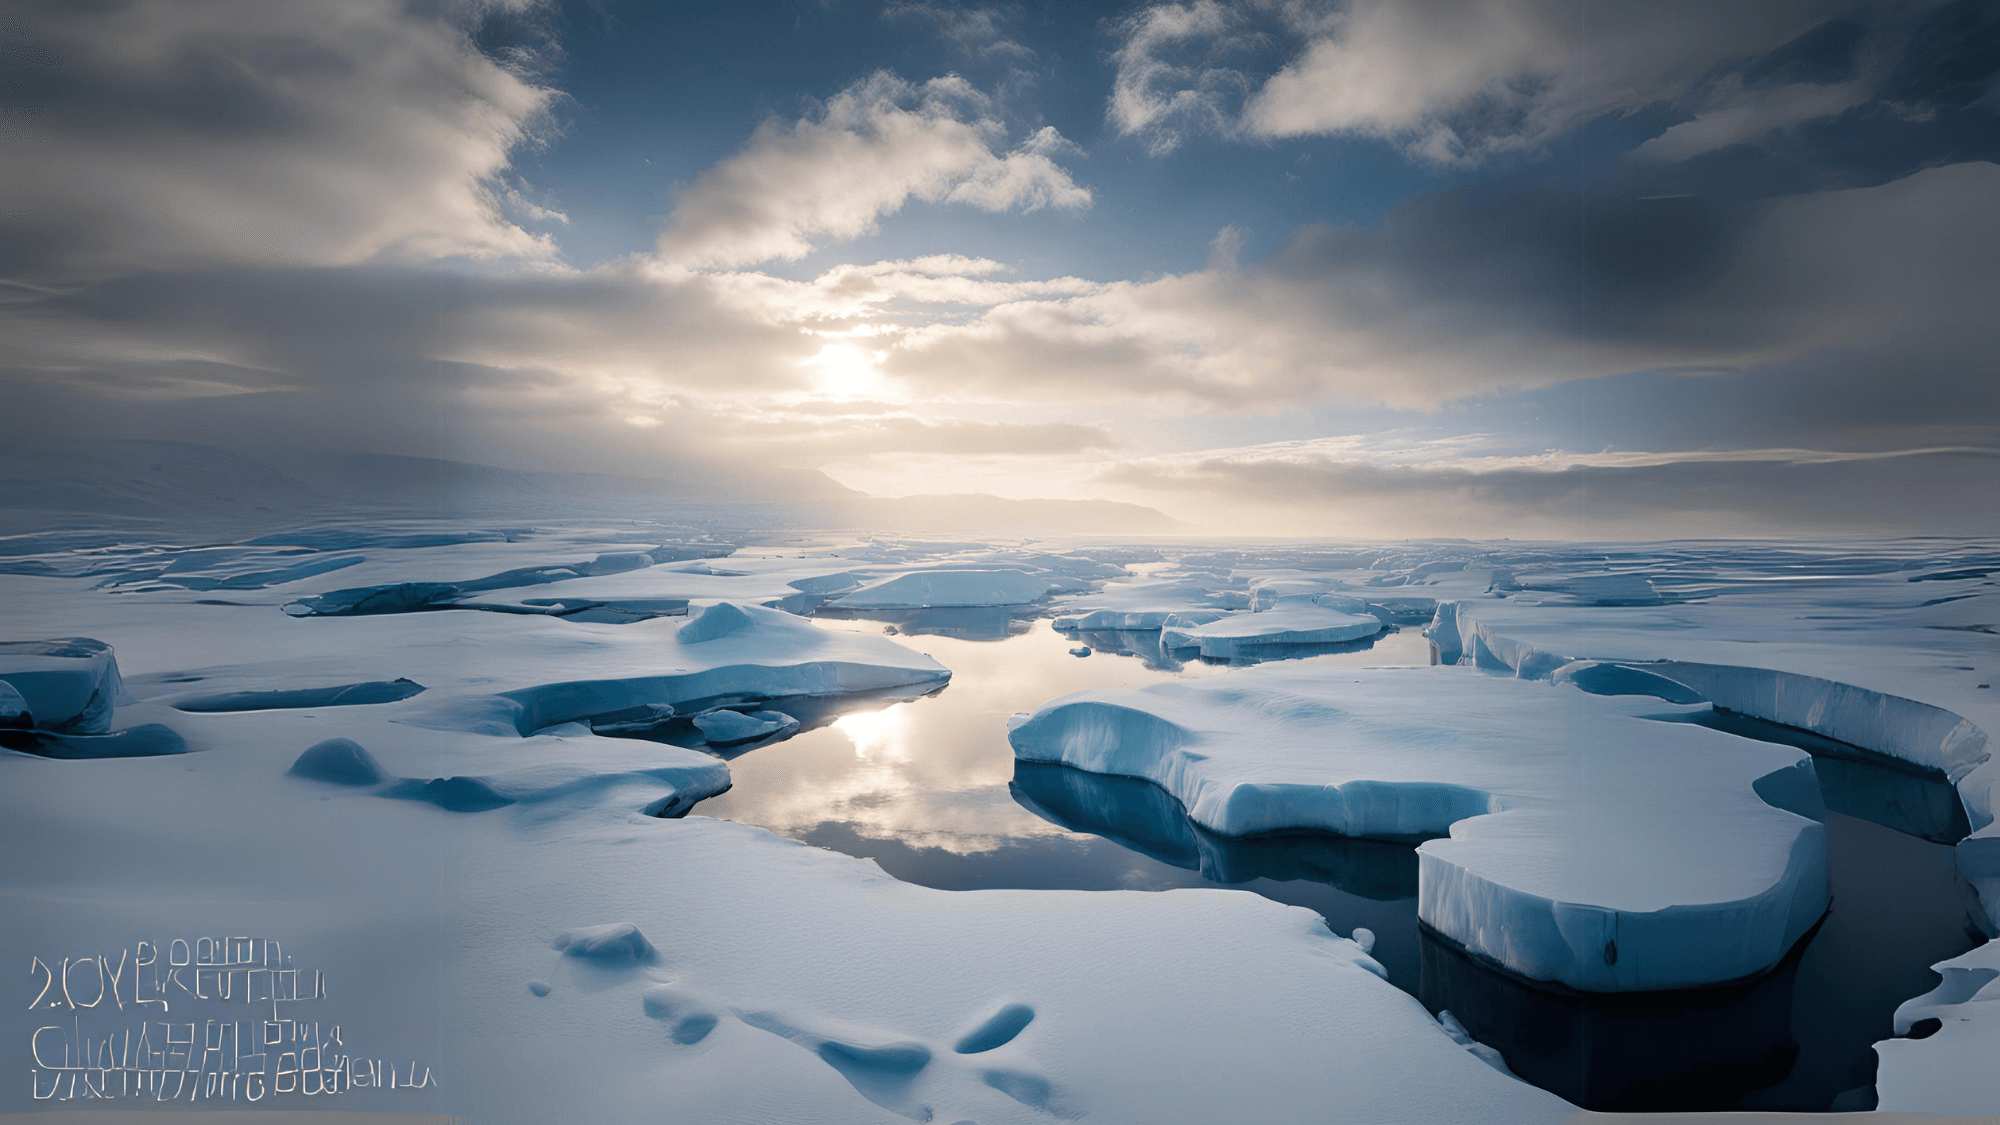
{"x":732,"y":654}
{"x":1887,"y":666}
{"x":940,"y":589}
{"x":1943,"y":1061}
{"x":1287,"y":624}
{"x":782,"y":982}
{"x":1705,"y":863}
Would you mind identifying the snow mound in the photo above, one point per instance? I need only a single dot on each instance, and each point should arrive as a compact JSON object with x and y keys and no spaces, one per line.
{"x":342,"y":695}
{"x":720,"y":620}
{"x":996,"y":1030}
{"x":1288,"y":623}
{"x":68,"y":685}
{"x":688,"y":1017}
{"x":341,"y":761}
{"x":926,"y":589}
{"x":619,"y":943}
{"x":452,"y":794}
{"x":1705,"y":861}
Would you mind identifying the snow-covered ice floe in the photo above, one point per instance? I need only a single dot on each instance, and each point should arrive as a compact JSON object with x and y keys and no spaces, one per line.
{"x":1888,"y":663}
{"x":949,"y":588}
{"x":1291,"y":623}
{"x":1126,"y":606}
{"x":503,"y":915}
{"x":731,"y":654}
{"x":1706,"y":861}
{"x":1945,"y":1065}
{"x":505,"y":907}
{"x":722,"y":973}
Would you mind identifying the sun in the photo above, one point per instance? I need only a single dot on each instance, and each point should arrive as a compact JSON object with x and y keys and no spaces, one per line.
{"x":844,"y":371}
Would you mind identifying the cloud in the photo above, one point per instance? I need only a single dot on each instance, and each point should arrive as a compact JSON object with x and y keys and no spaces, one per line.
{"x":976,"y":29}
{"x":1168,"y":83}
{"x":833,"y":174}
{"x":1451,"y":81}
{"x":1469,"y":293}
{"x":624,"y":365}
{"x":1756,"y":114}
{"x":174,"y":135}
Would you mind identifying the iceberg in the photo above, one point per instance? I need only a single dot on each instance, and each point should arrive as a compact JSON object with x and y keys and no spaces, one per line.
{"x":65,"y":686}
{"x":1569,"y":838}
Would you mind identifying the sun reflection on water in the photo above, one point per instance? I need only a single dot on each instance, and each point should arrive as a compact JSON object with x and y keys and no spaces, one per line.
{"x":878,"y":736}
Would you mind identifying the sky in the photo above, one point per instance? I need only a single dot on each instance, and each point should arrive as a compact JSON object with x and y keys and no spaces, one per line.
{"x":1350,"y":268}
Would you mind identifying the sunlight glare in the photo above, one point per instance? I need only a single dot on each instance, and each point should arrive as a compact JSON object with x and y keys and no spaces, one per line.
{"x":846,"y":372}
{"x":878,"y":735}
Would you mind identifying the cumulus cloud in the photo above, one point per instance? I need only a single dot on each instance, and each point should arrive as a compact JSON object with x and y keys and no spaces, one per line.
{"x":262,"y":132}
{"x":832,"y":174}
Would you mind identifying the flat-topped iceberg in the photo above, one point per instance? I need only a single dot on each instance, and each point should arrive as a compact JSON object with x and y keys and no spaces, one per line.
{"x":1286,"y":624}
{"x":1588,"y":845}
{"x":937,"y":589}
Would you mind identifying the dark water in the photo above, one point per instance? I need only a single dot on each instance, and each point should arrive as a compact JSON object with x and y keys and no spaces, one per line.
{"x":930,"y":790}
